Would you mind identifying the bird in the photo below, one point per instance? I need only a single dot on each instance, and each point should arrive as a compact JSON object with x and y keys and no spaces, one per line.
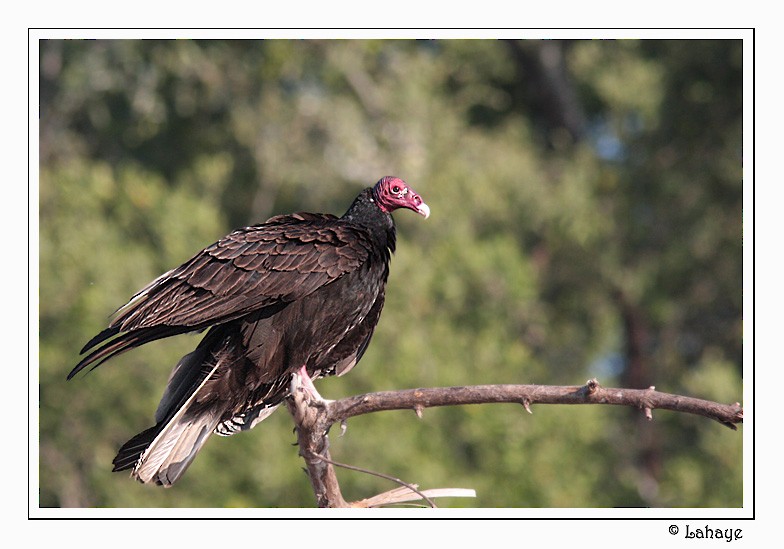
{"x":299,"y":294}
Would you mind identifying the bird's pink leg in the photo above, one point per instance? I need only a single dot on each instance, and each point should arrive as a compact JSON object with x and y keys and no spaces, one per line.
{"x":308,"y":387}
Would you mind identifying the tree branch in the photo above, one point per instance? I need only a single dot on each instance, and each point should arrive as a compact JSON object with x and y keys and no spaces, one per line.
{"x":590,"y":393}
{"x":313,"y":444}
{"x":313,"y":419}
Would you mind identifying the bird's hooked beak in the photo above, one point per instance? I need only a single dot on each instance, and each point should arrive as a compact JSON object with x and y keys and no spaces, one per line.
{"x":423,"y":210}
{"x":418,"y":206}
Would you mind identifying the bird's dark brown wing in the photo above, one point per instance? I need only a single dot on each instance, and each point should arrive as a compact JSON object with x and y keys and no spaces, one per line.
{"x":252,"y":269}
{"x":248,"y":270}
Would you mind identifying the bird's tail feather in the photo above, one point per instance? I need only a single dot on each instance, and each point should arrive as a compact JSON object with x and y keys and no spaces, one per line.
{"x":162,"y":453}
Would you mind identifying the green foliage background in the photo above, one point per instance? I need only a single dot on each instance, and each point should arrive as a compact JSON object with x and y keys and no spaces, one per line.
{"x":586,"y":205}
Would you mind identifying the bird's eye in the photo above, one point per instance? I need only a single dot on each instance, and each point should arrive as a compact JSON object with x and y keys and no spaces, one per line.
{"x":395,"y":189}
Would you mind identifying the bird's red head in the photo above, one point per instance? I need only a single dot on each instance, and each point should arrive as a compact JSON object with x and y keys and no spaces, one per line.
{"x":392,"y":193}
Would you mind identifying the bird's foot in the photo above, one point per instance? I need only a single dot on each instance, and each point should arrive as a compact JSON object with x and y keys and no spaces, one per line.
{"x":301,"y":381}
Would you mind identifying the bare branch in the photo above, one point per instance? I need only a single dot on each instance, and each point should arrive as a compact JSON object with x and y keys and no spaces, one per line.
{"x":313,"y":420}
{"x":314,"y":447}
{"x":526,"y":395}
{"x":401,"y":494}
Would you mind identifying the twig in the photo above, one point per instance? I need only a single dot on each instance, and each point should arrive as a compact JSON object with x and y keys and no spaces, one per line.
{"x":412,"y":487}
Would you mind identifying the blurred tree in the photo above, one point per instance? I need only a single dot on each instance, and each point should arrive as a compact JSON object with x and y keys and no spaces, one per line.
{"x":586,"y":200}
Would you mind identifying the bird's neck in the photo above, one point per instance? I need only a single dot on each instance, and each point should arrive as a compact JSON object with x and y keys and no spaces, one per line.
{"x":366,"y":213}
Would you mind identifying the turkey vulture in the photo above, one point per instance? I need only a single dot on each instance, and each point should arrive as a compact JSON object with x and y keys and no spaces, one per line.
{"x":301,"y":293}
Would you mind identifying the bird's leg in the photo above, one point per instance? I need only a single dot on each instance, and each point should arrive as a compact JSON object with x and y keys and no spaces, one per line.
{"x":306,"y":384}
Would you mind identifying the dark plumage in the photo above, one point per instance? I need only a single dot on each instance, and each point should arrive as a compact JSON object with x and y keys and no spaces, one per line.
{"x":301,"y":290}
